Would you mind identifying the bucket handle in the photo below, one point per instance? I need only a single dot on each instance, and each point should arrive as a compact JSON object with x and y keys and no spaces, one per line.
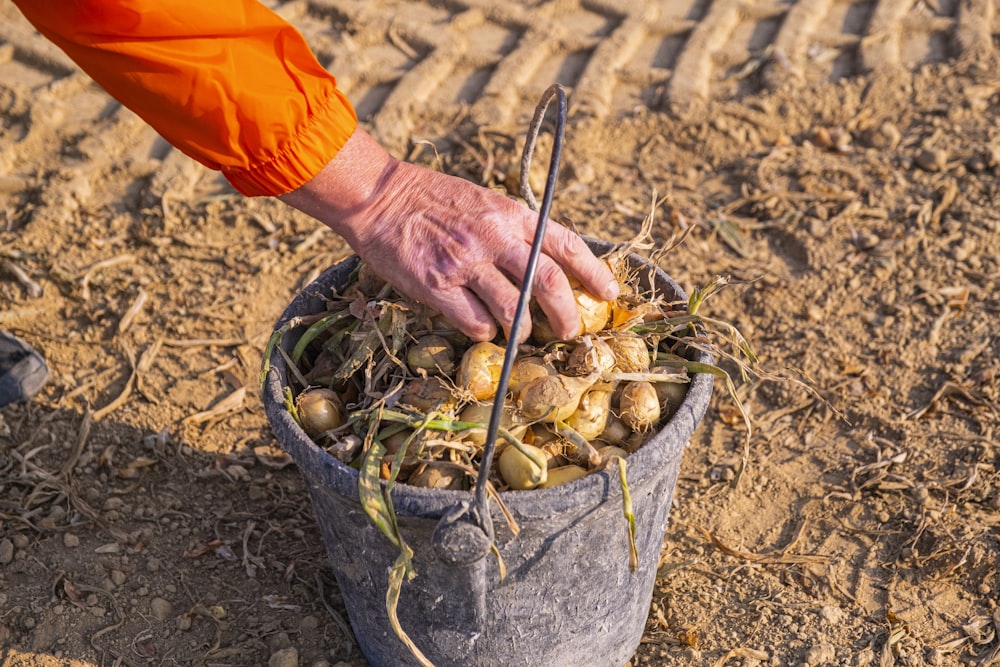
{"x":453,"y":538}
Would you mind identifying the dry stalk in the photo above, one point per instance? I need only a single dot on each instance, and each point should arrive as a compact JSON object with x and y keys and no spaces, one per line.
{"x":126,"y":391}
{"x":98,"y":266}
{"x":782,"y":558}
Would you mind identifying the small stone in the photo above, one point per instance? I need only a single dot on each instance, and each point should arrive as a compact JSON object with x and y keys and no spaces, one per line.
{"x":890,"y":134}
{"x":6,"y":551}
{"x":821,"y":654}
{"x":831,"y":614}
{"x":184,"y":622}
{"x":70,"y":541}
{"x":286,"y":657}
{"x":692,"y":654}
{"x":113,"y":503}
{"x":278,"y":641}
{"x":117,"y":577}
{"x":20,"y":541}
{"x":818,"y":228}
{"x":161,"y":609}
{"x":308,"y":623}
{"x":821,"y":137}
{"x":866,"y":240}
{"x":841,"y":140}
{"x":932,"y":160}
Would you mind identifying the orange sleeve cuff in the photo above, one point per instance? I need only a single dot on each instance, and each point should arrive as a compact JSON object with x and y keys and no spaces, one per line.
{"x":231,"y":84}
{"x":305,"y":152}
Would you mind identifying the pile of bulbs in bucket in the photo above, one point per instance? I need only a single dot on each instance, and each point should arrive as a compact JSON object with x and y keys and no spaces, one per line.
{"x":378,"y":370}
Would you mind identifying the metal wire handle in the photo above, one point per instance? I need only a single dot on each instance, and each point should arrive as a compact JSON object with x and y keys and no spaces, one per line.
{"x":481,"y":509}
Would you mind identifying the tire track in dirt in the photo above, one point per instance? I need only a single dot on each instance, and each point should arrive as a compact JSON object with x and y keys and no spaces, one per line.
{"x":402,"y":61}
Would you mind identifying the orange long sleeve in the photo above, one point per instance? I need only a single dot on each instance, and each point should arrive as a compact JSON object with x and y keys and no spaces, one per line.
{"x":230,"y":84}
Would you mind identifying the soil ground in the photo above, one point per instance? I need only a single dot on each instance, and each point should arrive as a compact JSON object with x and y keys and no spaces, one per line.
{"x":838,"y":161}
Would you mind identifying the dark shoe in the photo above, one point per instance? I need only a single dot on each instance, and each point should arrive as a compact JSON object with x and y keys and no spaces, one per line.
{"x":22,"y":370}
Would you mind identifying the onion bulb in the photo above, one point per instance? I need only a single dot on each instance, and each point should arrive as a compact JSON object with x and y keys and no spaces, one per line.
{"x":431,"y":353}
{"x":526,"y":369}
{"x":594,"y":315}
{"x":589,"y":354}
{"x":552,"y":398}
{"x":479,"y":371}
{"x":481,"y":413}
{"x":563,"y":475}
{"x":320,"y":410}
{"x":519,"y":471}
{"x":591,"y":416}
{"x":437,"y":477}
{"x":670,"y":394}
{"x":639,"y":406}
{"x":615,"y":431}
{"x":631,"y":353}
{"x":394,"y":442}
{"x":609,"y":452}
{"x":594,"y":312}
{"x":427,"y":394}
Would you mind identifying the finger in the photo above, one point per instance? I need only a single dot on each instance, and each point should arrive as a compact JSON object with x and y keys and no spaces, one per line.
{"x":501,"y":297}
{"x":574,"y":256}
{"x":466,"y":311}
{"x":554,"y":295}
{"x":551,"y":289}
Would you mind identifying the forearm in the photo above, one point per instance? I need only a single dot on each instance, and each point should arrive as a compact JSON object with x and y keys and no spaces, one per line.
{"x":352,"y":185}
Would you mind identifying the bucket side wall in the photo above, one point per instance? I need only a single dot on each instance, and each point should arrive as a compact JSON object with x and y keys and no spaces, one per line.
{"x":568,"y":596}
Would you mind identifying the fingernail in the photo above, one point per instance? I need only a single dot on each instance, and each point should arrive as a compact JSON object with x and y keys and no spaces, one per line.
{"x":612,"y":290}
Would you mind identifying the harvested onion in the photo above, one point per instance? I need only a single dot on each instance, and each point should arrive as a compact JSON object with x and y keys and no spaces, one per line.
{"x":479,"y":372}
{"x":481,"y":413}
{"x":594,"y":315}
{"x":639,"y":406}
{"x":526,"y":369}
{"x":591,"y":353}
{"x":631,"y":353}
{"x":615,"y":431}
{"x":609,"y":452}
{"x":591,"y":415}
{"x":431,"y":353}
{"x":519,"y":471}
{"x":670,"y":394}
{"x":436,"y":476}
{"x":563,"y":475}
{"x":552,"y":398}
{"x":427,"y":394}
{"x":320,"y":410}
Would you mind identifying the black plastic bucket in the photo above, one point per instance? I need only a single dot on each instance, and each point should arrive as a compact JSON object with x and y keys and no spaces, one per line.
{"x":569,"y":597}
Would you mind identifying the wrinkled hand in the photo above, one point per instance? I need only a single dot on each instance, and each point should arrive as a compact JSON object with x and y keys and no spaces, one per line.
{"x":457,"y":247}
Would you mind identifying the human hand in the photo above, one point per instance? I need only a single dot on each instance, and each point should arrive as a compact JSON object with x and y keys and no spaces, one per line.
{"x":457,"y":247}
